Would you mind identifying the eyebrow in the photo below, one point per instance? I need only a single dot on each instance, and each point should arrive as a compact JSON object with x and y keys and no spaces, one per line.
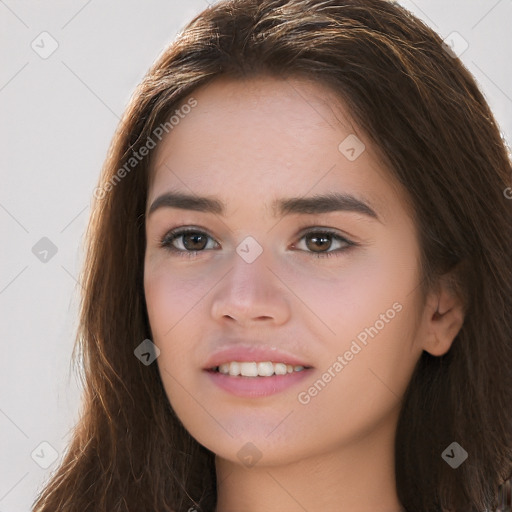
{"x":323,"y":203}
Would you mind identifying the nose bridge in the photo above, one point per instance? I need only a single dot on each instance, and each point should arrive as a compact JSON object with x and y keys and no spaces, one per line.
{"x":250,"y":274}
{"x":250,"y":290}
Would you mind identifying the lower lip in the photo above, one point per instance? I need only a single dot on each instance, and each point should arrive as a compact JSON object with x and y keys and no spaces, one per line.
{"x":253,"y":387}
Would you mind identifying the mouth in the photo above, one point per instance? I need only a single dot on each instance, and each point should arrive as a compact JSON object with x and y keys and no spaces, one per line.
{"x":256,"y":368}
{"x":257,"y":379}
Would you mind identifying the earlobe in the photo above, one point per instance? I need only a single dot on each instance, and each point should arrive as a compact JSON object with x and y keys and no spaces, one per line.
{"x":445,"y":317}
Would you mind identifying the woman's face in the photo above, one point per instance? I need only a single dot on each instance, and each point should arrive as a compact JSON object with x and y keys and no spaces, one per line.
{"x":265,"y":274}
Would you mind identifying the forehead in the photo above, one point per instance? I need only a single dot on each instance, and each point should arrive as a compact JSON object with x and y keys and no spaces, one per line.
{"x":263,"y":138}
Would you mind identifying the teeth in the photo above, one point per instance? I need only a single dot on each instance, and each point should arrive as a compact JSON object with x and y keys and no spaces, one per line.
{"x":234,"y":369}
{"x":224,"y":368}
{"x":280,"y":369}
{"x":265,"y":369}
{"x":257,"y":369}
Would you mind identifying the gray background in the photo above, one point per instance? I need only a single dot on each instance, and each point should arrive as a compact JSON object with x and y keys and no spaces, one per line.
{"x":58,"y":115}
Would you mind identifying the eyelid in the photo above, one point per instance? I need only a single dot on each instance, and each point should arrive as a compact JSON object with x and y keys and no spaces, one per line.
{"x":325,"y":229}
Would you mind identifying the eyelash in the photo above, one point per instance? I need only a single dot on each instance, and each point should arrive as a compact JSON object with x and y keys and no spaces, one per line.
{"x":170,"y":236}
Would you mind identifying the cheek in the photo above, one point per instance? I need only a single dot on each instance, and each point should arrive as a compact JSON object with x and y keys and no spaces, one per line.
{"x":367,"y":364}
{"x":176,"y":299}
{"x":342,"y":300}
{"x":172,"y":295}
{"x":361,"y":383}
{"x":170,"y":303}
{"x":368,"y":310}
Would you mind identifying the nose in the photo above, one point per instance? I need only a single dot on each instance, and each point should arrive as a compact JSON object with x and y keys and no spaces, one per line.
{"x":251,"y":293}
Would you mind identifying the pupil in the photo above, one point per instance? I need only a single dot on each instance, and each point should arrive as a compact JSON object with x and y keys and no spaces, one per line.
{"x":195,"y":237}
{"x":318,"y":242}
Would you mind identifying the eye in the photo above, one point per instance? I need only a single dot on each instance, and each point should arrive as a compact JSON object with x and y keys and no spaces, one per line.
{"x":319,"y":242}
{"x":190,"y":241}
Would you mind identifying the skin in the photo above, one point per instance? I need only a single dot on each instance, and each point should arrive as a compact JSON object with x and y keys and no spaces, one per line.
{"x":247,"y":143}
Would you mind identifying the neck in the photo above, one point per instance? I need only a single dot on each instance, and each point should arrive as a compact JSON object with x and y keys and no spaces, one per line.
{"x":359,"y":477}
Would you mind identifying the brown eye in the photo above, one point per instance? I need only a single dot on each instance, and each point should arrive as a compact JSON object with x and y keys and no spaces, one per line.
{"x":319,"y":243}
{"x":315,"y":242}
{"x":194,"y":241}
{"x":186,"y":241}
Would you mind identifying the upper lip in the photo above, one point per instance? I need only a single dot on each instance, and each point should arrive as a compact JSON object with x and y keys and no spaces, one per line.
{"x":252,"y":353}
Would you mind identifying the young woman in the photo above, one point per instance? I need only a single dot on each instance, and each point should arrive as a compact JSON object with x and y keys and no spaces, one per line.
{"x":298,"y":284}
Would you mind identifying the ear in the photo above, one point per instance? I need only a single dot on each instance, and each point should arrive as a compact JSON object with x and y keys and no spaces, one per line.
{"x":444,"y":317}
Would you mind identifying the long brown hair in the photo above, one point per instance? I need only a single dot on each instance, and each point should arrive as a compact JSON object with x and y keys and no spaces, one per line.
{"x":424,"y":112}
